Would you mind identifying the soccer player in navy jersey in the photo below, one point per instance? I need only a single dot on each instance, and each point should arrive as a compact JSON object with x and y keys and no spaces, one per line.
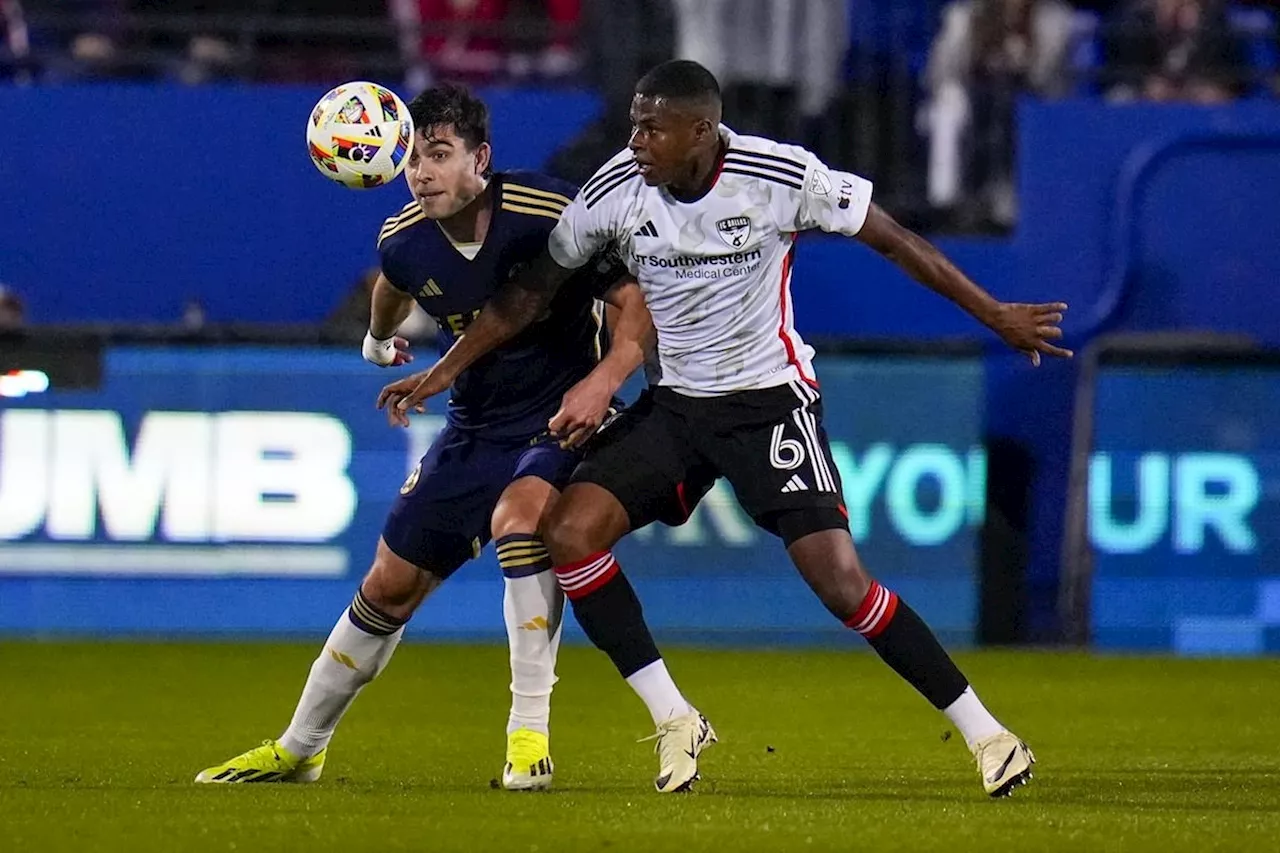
{"x":516,"y":421}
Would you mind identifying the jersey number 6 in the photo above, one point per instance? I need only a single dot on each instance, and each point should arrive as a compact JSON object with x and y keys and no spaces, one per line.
{"x":785,"y":454}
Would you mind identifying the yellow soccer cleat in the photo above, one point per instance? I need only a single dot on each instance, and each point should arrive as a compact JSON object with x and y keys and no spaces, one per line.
{"x":270,"y":762}
{"x":1004,"y":762}
{"x":528,"y":766}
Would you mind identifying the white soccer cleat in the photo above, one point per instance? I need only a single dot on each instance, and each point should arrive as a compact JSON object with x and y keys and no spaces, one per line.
{"x":1004,"y":762}
{"x":680,"y":742}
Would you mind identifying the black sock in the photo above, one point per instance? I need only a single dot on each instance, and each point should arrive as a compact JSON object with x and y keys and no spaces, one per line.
{"x":608,"y":611}
{"x":904,"y":641}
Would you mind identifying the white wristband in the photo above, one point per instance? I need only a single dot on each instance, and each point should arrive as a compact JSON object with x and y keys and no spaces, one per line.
{"x":381,"y":353}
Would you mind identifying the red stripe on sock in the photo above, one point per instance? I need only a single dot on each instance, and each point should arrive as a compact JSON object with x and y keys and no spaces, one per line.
{"x":885,"y":618}
{"x":579,"y":564}
{"x":864,"y":609}
{"x":583,"y":577}
{"x":875,"y":612}
{"x":597,"y":582}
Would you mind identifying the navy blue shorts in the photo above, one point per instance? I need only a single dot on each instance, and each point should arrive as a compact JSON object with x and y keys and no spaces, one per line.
{"x":441,"y":517}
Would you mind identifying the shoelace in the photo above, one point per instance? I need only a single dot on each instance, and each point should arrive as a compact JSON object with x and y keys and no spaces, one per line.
{"x":522,"y":745}
{"x":275,"y":752}
{"x":667,"y":748}
{"x":664,"y":728}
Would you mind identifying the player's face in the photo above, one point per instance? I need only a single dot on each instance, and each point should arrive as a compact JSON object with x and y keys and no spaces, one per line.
{"x":443,"y":174}
{"x":663,"y":138}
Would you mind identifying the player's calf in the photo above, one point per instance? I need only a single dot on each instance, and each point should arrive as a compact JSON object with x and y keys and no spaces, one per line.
{"x":533,"y":610}
{"x":829,"y":563}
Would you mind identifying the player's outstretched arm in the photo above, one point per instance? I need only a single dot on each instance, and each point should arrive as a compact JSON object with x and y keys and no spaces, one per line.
{"x":585,"y":405}
{"x":389,"y":307}
{"x":1025,"y":327}
{"x":508,"y":312}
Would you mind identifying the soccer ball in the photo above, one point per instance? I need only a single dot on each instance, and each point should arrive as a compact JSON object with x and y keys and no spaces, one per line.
{"x":359,"y":135}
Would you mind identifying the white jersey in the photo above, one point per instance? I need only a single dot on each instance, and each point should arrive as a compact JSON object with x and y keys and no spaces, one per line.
{"x":716,"y":272}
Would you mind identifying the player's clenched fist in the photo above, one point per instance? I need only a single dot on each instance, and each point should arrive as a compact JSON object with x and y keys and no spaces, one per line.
{"x":582,"y":410}
{"x":389,"y":352}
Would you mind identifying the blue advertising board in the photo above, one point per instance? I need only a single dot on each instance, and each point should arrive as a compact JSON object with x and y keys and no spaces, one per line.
{"x":1184,"y":509}
{"x":241,"y":489}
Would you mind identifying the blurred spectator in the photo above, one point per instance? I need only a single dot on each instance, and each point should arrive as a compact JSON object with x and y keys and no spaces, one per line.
{"x":477,"y":41}
{"x":777,"y":60}
{"x":456,"y":39}
{"x":542,"y":39}
{"x":12,"y":312}
{"x":15,"y":47}
{"x":93,"y":51}
{"x":350,"y":320}
{"x":623,"y":39}
{"x":987,"y":54}
{"x":208,"y":60}
{"x":1174,"y":50}
{"x":301,"y":47}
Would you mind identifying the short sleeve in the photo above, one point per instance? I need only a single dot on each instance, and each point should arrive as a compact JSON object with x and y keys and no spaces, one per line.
{"x":580,"y":234}
{"x":391,"y":268}
{"x":836,"y":202}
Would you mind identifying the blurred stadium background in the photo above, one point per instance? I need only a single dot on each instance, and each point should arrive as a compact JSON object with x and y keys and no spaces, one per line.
{"x":188,"y":446}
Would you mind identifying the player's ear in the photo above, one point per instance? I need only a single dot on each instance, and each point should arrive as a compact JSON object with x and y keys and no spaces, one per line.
{"x":484,"y":158}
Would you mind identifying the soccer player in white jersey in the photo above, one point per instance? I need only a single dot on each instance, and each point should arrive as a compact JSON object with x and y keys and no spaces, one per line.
{"x":708,"y":220}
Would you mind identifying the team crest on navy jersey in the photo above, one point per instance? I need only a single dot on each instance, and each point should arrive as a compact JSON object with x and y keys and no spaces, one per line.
{"x":411,"y":480}
{"x":735,"y":230}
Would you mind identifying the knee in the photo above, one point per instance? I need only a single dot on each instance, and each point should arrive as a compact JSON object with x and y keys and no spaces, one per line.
{"x":395,"y":586}
{"x":514,"y":519}
{"x":853,"y":579}
{"x":569,"y":537}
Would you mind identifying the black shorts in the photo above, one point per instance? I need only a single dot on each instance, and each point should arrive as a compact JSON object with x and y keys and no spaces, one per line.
{"x":661,"y":455}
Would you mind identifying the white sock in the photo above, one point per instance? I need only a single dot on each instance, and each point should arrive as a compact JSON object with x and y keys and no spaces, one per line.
{"x":972,"y":718}
{"x":350,"y":659}
{"x":533,"y":609}
{"x":654,"y":686}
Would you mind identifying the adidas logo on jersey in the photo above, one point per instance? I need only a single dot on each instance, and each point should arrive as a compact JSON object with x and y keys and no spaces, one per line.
{"x":795,"y":484}
{"x":430,"y":289}
{"x":647,"y":230}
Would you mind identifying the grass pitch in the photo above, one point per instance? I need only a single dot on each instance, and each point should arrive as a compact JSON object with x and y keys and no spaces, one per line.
{"x":819,"y":751}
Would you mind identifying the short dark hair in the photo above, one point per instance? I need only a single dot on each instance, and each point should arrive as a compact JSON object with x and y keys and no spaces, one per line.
{"x":455,"y":106}
{"x":679,"y":79}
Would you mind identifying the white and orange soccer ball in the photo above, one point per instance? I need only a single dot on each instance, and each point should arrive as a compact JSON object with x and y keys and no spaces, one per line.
{"x":359,"y":135}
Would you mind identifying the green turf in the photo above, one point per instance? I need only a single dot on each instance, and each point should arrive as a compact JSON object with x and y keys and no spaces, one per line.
{"x":818,"y":751}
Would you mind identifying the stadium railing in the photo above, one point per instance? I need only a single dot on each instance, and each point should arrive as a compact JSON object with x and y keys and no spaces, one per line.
{"x":1173,"y":406}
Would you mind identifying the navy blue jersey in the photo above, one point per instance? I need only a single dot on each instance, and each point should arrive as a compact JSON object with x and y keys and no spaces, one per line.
{"x":514,"y":390}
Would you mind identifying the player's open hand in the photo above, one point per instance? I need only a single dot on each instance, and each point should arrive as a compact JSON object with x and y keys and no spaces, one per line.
{"x":582,"y":410}
{"x":392,"y":396}
{"x":1030,"y":328}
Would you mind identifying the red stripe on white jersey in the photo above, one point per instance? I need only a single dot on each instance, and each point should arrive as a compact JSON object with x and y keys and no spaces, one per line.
{"x":784,"y":323}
